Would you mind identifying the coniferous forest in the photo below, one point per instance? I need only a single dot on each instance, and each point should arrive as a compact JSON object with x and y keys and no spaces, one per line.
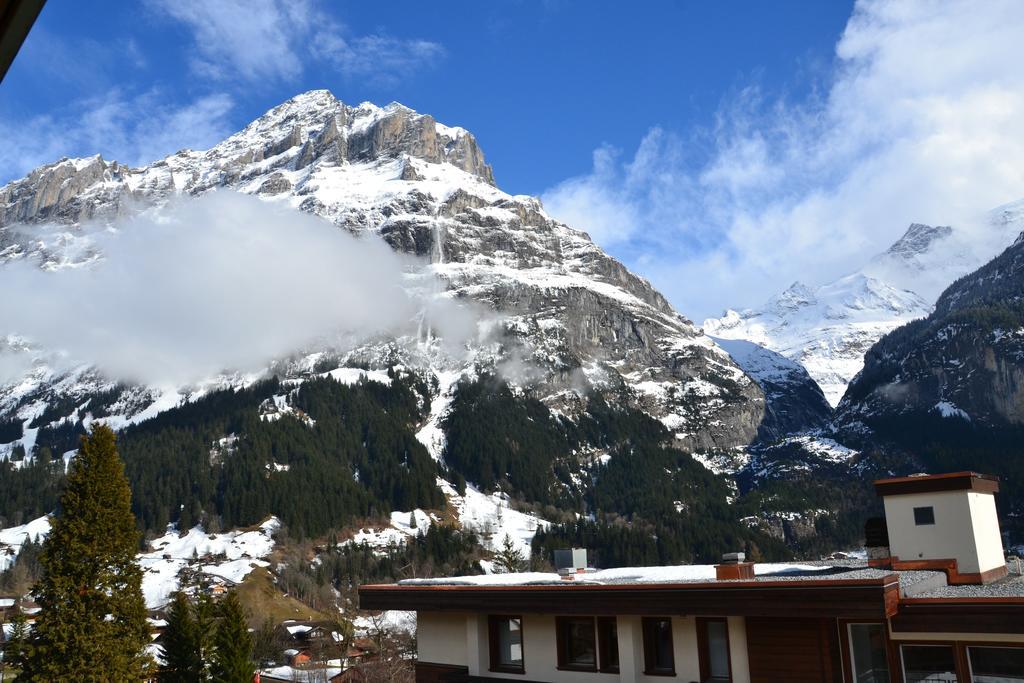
{"x":342,"y":454}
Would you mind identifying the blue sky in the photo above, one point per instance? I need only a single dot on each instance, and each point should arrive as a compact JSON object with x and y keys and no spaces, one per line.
{"x":723,"y":149}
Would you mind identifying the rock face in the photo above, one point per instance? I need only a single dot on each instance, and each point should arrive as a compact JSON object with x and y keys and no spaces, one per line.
{"x":575,"y":317}
{"x":963,"y":362}
{"x":794,"y":400}
{"x":828,"y":329}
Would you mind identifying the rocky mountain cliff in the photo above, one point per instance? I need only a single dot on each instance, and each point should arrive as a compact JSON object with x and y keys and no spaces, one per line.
{"x":573,"y":317}
{"x":828,"y":329}
{"x":946,"y":392}
{"x":965,"y":361}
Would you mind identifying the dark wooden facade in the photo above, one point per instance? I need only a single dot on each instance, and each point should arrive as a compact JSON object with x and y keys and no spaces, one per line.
{"x":793,"y":650}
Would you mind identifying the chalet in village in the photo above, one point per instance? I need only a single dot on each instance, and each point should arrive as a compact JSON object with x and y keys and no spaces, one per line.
{"x":936,"y":600}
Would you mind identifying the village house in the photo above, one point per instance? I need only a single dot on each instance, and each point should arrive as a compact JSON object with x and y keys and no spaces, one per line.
{"x":935,"y":600}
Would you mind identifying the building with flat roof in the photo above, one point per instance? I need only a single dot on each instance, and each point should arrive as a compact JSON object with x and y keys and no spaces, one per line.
{"x":935,"y":601}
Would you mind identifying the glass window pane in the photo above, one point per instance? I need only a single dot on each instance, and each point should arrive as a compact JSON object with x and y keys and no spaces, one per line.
{"x":609,"y":638}
{"x":663,"y":656}
{"x":718,"y":649}
{"x":510,"y":642}
{"x":867,"y":650}
{"x":996,"y":664}
{"x":928,"y":664}
{"x":579,"y":644}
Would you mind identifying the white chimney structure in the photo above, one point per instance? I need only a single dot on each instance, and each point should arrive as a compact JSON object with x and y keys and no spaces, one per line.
{"x":944,"y":521}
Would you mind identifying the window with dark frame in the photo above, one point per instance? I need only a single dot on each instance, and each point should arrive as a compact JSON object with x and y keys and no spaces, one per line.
{"x":577,"y":643}
{"x":506,"y":643}
{"x":608,"y":644}
{"x":869,"y":654}
{"x":928,"y":664}
{"x":995,"y":663}
{"x":713,"y":649}
{"x":587,"y":644}
{"x":659,"y":658}
{"x":924,"y":516}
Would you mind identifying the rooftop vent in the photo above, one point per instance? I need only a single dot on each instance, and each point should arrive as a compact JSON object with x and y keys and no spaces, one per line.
{"x":941,"y":521}
{"x":733,"y":567}
{"x":570,"y":561}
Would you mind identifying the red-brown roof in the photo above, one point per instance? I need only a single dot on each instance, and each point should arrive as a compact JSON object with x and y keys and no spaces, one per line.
{"x":933,"y":483}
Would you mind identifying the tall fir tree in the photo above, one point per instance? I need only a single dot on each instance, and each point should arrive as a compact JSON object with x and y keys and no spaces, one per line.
{"x":508,"y":559}
{"x":182,"y":644}
{"x":92,"y":626}
{"x":232,"y":655}
{"x":17,"y":642}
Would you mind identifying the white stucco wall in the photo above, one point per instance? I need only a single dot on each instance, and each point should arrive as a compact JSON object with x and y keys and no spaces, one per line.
{"x":441,"y":638}
{"x":988,"y":539}
{"x":738,"y":650}
{"x":966,"y":529}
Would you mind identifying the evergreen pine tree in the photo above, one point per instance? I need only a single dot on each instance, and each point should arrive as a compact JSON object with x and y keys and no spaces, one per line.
{"x":205,"y":612}
{"x":232,"y":655}
{"x":92,"y":626}
{"x":182,"y":644}
{"x":508,"y":559}
{"x":16,"y":646}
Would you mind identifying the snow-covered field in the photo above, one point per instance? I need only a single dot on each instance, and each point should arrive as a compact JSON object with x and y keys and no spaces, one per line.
{"x":488,"y":516}
{"x":12,"y":538}
{"x":227,"y":557}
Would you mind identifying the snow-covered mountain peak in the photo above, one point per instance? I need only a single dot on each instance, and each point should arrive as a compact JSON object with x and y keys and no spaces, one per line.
{"x":797,"y":295}
{"x":918,"y":239}
{"x":829,"y":328}
{"x":554,"y":299}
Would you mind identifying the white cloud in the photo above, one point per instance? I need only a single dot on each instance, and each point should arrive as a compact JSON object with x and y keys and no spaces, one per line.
{"x":222,"y":281}
{"x":257,"y":40}
{"x":923,"y":120}
{"x":132,"y":129}
{"x":385,"y":59}
{"x":253,"y":39}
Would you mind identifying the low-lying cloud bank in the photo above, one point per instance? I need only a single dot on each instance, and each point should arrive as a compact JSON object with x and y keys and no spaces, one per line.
{"x":219,"y":282}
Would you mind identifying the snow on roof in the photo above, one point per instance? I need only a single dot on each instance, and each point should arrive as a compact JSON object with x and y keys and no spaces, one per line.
{"x":671,"y":574}
{"x":6,"y":602}
{"x":298,"y":628}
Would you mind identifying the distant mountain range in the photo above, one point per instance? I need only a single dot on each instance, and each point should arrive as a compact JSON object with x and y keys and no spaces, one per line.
{"x":582,"y":398}
{"x":827,"y":329}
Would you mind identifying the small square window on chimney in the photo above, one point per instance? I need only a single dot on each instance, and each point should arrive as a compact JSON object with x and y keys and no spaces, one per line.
{"x":924,"y":516}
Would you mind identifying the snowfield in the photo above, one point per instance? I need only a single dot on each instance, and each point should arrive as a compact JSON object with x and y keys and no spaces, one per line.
{"x":226,"y":558}
{"x":488,"y":516}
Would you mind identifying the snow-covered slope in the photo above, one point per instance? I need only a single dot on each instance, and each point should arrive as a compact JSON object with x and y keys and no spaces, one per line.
{"x":795,"y":402}
{"x":174,"y":560}
{"x":557,"y":302}
{"x":829,"y":328}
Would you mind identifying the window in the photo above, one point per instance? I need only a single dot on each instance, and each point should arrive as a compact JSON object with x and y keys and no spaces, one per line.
{"x":577,"y":643}
{"x":506,"y":636}
{"x":659,"y":659}
{"x":928,"y":664}
{"x":924,"y":516}
{"x":608,"y":643}
{"x":868,"y":656}
{"x":991,"y":664}
{"x":581,"y":647}
{"x":713,"y":645}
